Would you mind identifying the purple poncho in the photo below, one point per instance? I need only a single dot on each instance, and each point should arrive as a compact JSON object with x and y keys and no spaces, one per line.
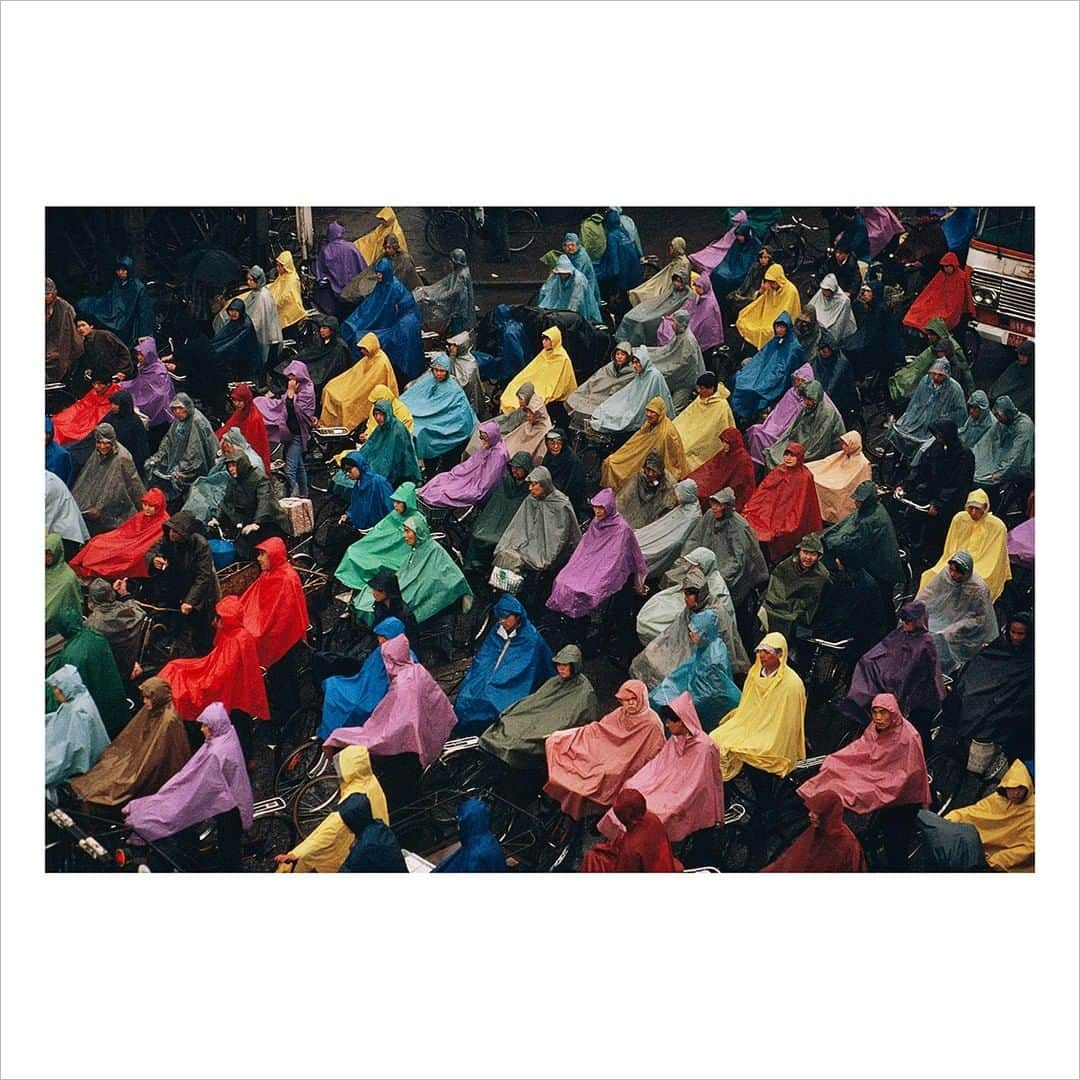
{"x":881,"y":226}
{"x":1020,"y":543}
{"x":607,"y":555}
{"x":708,"y":258}
{"x":706,"y":323}
{"x":152,"y":387}
{"x":759,"y":437}
{"x":475,"y":478}
{"x":275,"y":415}
{"x":339,"y":261}
{"x":213,"y":782}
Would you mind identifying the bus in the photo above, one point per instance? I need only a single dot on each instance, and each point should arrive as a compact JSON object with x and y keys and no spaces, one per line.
{"x":1002,"y":261}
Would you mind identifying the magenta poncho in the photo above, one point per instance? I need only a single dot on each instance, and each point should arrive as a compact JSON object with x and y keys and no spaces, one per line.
{"x":682,"y":784}
{"x":705,"y":321}
{"x":474,"y":479}
{"x":709,"y":258}
{"x":415,"y":716}
{"x":1020,"y":543}
{"x":607,"y":555}
{"x":214,"y":781}
{"x":152,"y":387}
{"x":275,"y":412}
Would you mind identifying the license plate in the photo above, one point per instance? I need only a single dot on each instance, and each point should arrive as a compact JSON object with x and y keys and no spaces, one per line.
{"x":1014,"y":341}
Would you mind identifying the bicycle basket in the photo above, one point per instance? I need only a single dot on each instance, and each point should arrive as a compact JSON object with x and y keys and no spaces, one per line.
{"x":505,"y":580}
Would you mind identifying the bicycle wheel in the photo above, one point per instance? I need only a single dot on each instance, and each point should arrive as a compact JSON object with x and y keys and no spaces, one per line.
{"x":523,"y":228}
{"x":445,"y":230}
{"x":732,"y":850}
{"x":305,"y":763}
{"x":313,"y":803}
{"x":471,"y":771}
{"x":269,"y":836}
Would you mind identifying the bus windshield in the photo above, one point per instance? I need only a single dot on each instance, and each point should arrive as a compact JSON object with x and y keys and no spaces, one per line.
{"x":1010,"y":227}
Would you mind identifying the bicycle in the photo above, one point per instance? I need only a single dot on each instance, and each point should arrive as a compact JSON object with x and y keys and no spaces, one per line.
{"x":795,"y":243}
{"x":448,"y":228}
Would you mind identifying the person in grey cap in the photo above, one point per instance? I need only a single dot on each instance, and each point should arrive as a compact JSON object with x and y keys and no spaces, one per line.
{"x":795,"y":589}
{"x":937,"y":396}
{"x":543,"y":532}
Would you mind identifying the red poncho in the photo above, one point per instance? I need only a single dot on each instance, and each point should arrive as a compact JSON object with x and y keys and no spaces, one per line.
{"x":274,"y":606}
{"x":121,"y":552}
{"x":229,"y":674}
{"x":785,"y":507}
{"x":79,"y":420}
{"x":948,"y":296}
{"x":733,"y":468}
{"x":643,"y":848}
{"x":251,"y":424}
{"x":829,"y":847}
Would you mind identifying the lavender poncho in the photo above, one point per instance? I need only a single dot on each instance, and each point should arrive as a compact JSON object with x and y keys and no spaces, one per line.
{"x":152,"y":387}
{"x":759,"y":437}
{"x":474,"y":479}
{"x":275,"y":413}
{"x":708,"y":258}
{"x":706,"y":323}
{"x":601,"y":564}
{"x":339,"y":261}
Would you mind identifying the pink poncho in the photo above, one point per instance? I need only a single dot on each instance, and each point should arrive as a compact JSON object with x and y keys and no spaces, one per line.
{"x":415,"y":716}
{"x":682,"y":784}
{"x":882,"y":768}
{"x":709,"y":258}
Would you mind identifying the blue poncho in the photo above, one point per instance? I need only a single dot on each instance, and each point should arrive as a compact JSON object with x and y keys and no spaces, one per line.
{"x":75,"y":737}
{"x":569,"y":295}
{"x":369,"y":500}
{"x":479,"y":852}
{"x":584,"y":264}
{"x":706,"y":675}
{"x":767,"y":374}
{"x":389,"y":311}
{"x":735,"y":265}
{"x":959,"y":227}
{"x":349,"y":700}
{"x":503,"y":671}
{"x":1008,"y":451}
{"x":621,"y":261}
{"x":126,"y":309}
{"x":625,"y":409}
{"x":442,"y":416}
{"x":514,"y":350}
{"x":57,"y":458}
{"x":928,"y":403}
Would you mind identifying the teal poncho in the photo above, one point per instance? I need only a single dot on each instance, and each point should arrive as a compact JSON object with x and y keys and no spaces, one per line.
{"x":384,"y":545}
{"x":389,"y":447}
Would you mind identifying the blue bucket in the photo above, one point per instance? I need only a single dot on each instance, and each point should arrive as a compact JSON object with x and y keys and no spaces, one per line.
{"x":223,"y":552}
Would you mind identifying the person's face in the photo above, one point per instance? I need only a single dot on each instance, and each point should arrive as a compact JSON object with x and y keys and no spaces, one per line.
{"x":440,"y":374}
{"x":769,"y":661}
{"x":809,"y":404}
{"x":651,"y":474}
{"x":399,"y":506}
{"x":50,"y":298}
{"x":974,"y":412}
{"x":1016,"y":794}
{"x":103,"y":447}
{"x":690,"y":598}
{"x":378,"y":595}
{"x":947,"y":270}
{"x":517,"y":472}
{"x":389,"y":248}
{"x":718,"y":509}
{"x":789,"y":460}
{"x":205,"y":729}
{"x":554,"y":446}
{"x":705,"y":392}
{"x":378,"y":277}
{"x":58,"y":694}
{"x":325,"y":333}
{"x":907,"y":626}
{"x":99,"y":387}
{"x":451,"y":350}
{"x":251,"y":282}
{"x":564,"y":671}
{"x":866,"y":295}
{"x":802,"y":325}
{"x":570,"y":247}
{"x":147,"y":703}
{"x":174,"y":537}
{"x":510,"y":623}
{"x":536,"y":489}
{"x":828,"y":293}
{"x":938,"y":377}
{"x":279,"y":267}
{"x":677,"y":283}
{"x":49,"y":558}
{"x":114,"y":407}
{"x":880,"y":717}
{"x":698,"y":289}
{"x":546,"y":343}
{"x":675,"y":726}
{"x":1018,"y":633}
{"x":1002,"y":418}
{"x":763,"y":256}
{"x":814,"y":818}
{"x":410,"y":537}
{"x":484,"y":440}
{"x":976,"y":513}
{"x":234,"y":314}
{"x":841,"y":257}
{"x":599,"y":513}
{"x":232,"y":468}
{"x":563,"y":277}
{"x":955,"y":573}
{"x":808,"y":559}
{"x":236,"y":403}
{"x":771,"y":286}
{"x":380,"y":416}
{"x":620,"y":357}
{"x":825,"y":352}
{"x":779,"y":329}
{"x":121,"y":273}
{"x":652,"y":417}
{"x":83,"y":328}
{"x":521,"y":400}
{"x":636,"y":365}
{"x":263,"y":559}
{"x":1022,"y":358}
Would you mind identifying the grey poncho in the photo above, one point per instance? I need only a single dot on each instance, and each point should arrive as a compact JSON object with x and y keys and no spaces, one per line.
{"x":108,"y":489}
{"x":543,"y":532}
{"x":662,"y":540}
{"x":644,"y":501}
{"x":960,"y":613}
{"x":599,"y":386}
{"x":816,"y":430}
{"x":660,"y":609}
{"x":188,"y":449}
{"x":738,"y":553}
{"x":680,"y":361}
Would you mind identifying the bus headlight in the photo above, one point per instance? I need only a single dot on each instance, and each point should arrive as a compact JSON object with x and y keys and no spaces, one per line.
{"x":984,"y":297}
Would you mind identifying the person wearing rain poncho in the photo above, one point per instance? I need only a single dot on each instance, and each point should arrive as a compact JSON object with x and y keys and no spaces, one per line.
{"x":731,"y":271}
{"x":796,"y":586}
{"x":338,"y":262}
{"x":58,"y":458}
{"x":391,"y":312}
{"x":809,"y":333}
{"x":641,"y":847}
{"x":699,"y":424}
{"x":712,"y":255}
{"x":205,"y":494}
{"x":656,"y":433}
{"x":130,"y":431}
{"x":285,"y":291}
{"x":235,"y":347}
{"x":937,"y":397}
{"x":836,"y":378}
{"x":1005,"y":821}
{"x":784,"y":507}
{"x":566,"y":700}
{"x":641,"y":323}
{"x":607,"y":557}
{"x":479,"y":852}
{"x":816,"y":428}
{"x":664,"y":606}
{"x":589,"y":765}
{"x":526,"y":432}
{"x":151,"y":389}
{"x":960,"y":613}
{"x":326,"y":847}
{"x":777,"y":295}
{"x":867,"y":539}
{"x":682,"y":783}
{"x":624,"y":408}
{"x":978,"y":422}
{"x":826,"y":846}
{"x":761,"y":381}
{"x":404,"y":267}
{"x":126,"y":309}
{"x":249,"y":419}
{"x":766,"y":730}
{"x":705,"y":320}
{"x":443,"y":419}
{"x":466,"y":369}
{"x":983,"y":535}
{"x":551,"y":373}
{"x":148,"y":753}
{"x":383,"y":547}
{"x":833,"y":309}
{"x":121,"y":622}
{"x":543,"y":532}
{"x":660,"y":283}
{"x":289,"y":421}
{"x":583,"y":263}
{"x":503,"y":503}
{"x":471,"y":481}
{"x":450,"y":300}
{"x":75,"y":737}
{"x":346,"y":399}
{"x":186,"y":452}
{"x":262,"y":309}
{"x":90,"y":652}
{"x":661,"y":541}
{"x":79,"y":419}
{"x":62,"y":514}
{"x":512,"y":661}
{"x":1008,"y":451}
{"x":680,"y":361}
{"x":512,"y":346}
{"x":567,"y":289}
{"x":108,"y":489}
{"x":429,"y":578}
{"x":947,"y":296}
{"x":705,"y":676}
{"x":512,"y":420}
{"x":730,"y":466}
{"x":375,"y":849}
{"x":63,"y":344}
{"x":619,"y":267}
{"x":904,"y":381}
{"x":327,"y":356}
{"x":388,"y":447}
{"x":838,"y":475}
{"x":415,"y":716}
{"x":1017,"y":381}
{"x":759,"y":437}
{"x":567,"y":471}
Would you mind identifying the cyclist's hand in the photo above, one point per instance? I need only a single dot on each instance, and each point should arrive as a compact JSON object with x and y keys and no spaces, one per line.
{"x":160,"y":563}
{"x":186,"y":609}
{"x":288,"y":857}
{"x":248,"y":529}
{"x":932,"y":510}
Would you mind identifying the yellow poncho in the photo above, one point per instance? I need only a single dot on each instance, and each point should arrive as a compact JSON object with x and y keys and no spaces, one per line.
{"x":550,"y":371}
{"x":346,"y":400}
{"x":766,"y":729}
{"x":1007,"y":830}
{"x":699,"y":426}
{"x":660,"y":283}
{"x":400,"y":411}
{"x":984,"y":539}
{"x":285,"y":289}
{"x":755,"y":321}
{"x":328,"y":846}
{"x":662,"y":437}
{"x":370,"y":244}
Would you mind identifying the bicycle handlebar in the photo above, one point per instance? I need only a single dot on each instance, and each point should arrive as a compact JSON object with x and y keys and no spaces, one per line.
{"x":912,"y":505}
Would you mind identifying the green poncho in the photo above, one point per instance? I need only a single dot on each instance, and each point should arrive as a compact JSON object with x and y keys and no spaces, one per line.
{"x":383,"y":547}
{"x":497,"y":514}
{"x":517,"y":737}
{"x":389,"y":447}
{"x":793,"y":594}
{"x":61,"y":585}
{"x":907,"y":378}
{"x":88,"y":650}
{"x":866,"y":538}
{"x":816,"y":430}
